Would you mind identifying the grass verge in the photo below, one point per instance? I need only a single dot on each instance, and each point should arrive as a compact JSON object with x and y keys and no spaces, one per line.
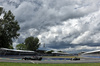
{"x":30,"y":64}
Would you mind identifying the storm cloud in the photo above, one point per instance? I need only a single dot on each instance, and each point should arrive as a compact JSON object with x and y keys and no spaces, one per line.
{"x":65,"y":25}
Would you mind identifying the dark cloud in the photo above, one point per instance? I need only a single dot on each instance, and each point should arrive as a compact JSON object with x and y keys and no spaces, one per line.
{"x":60,"y":45}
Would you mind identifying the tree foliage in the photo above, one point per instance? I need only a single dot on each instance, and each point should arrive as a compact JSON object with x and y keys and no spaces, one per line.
{"x":32,"y":43}
{"x":60,"y":51}
{"x":8,"y":29}
{"x":21,"y":47}
{"x":1,"y":10}
{"x":49,"y":52}
{"x":10,"y":47}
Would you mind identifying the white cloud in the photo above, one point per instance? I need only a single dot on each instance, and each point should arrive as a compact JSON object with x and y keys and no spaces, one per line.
{"x":69,"y":21}
{"x":79,"y":31}
{"x":16,"y":1}
{"x":24,"y":11}
{"x":82,"y":38}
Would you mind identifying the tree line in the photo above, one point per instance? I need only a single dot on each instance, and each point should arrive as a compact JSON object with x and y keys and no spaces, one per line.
{"x":30,"y":43}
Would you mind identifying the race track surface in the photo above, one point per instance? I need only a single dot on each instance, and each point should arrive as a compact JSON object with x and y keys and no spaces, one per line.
{"x":85,"y":60}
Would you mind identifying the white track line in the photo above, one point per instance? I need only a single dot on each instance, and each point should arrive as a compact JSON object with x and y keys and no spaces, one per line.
{"x":32,"y":62}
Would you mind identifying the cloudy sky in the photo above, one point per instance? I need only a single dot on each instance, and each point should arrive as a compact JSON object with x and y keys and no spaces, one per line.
{"x":66,"y":25}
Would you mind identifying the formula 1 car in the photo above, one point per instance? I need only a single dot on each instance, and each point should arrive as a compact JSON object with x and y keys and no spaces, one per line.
{"x":32,"y":58}
{"x":76,"y":58}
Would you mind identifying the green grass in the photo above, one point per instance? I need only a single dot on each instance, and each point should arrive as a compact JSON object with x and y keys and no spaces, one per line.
{"x":30,"y":64}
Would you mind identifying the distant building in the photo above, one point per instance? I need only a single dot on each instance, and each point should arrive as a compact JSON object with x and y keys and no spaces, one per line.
{"x":40,"y":52}
{"x":81,"y":53}
{"x":93,"y":54}
{"x":60,"y":54}
{"x":6,"y":52}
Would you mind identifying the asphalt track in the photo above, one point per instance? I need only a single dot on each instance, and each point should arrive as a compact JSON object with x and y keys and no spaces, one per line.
{"x":83,"y":60}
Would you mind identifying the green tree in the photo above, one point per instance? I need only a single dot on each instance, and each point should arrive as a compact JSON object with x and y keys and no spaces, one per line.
{"x":32,"y":43}
{"x":49,"y":52}
{"x":60,"y":51}
{"x":8,"y":29}
{"x":1,"y":10}
{"x":10,"y":47}
{"x":21,"y":47}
